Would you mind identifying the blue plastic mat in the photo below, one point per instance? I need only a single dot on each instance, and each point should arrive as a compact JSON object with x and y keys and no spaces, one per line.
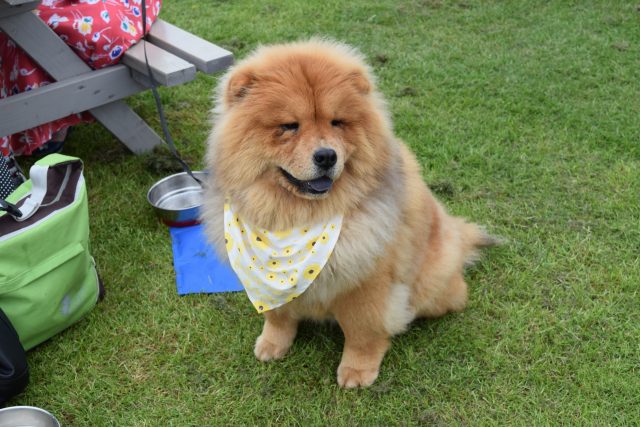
{"x":198,"y":269}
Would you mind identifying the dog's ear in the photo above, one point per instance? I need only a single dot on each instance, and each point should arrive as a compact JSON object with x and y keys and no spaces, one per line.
{"x":360,"y":79}
{"x":238,"y":86}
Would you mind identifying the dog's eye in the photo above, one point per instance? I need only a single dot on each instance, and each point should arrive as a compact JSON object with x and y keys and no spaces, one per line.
{"x":337,"y":123}
{"x":290,"y":126}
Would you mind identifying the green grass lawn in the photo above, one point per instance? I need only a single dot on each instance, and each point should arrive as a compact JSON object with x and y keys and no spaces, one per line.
{"x":525,"y":115}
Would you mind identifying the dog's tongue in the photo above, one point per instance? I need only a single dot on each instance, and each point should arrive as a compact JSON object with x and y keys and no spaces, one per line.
{"x":320,"y":184}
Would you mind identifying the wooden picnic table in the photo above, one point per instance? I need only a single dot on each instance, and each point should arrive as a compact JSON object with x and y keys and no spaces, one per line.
{"x":174,"y":56}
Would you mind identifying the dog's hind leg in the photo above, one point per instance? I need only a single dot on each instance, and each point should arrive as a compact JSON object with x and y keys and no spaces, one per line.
{"x":450,"y":298}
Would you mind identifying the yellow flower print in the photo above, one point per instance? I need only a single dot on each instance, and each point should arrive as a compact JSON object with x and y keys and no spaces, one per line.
{"x":312,"y":243}
{"x":324,"y":237}
{"x":228,"y":241}
{"x":84,"y":25}
{"x":260,"y":241}
{"x":274,"y":264}
{"x":288,"y":251}
{"x":292,"y":297}
{"x":311,"y":272}
{"x":293,"y":280}
{"x":271,"y":276}
{"x":282,"y":234}
{"x":275,"y":292}
{"x":261,"y":306}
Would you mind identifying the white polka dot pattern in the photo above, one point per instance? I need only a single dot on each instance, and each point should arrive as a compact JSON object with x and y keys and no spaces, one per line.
{"x":6,"y":180}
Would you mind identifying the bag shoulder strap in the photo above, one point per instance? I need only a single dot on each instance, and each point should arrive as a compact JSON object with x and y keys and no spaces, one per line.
{"x":38,"y":177}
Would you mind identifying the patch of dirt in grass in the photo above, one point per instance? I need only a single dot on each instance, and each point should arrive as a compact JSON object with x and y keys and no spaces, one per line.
{"x":419,"y":7}
{"x":430,"y":418}
{"x":382,"y":387}
{"x":621,"y":46}
{"x":380,"y":59}
{"x":407,"y":91}
{"x":219,"y":302}
{"x":431,"y":4}
{"x":233,"y":44}
{"x":162,"y":162}
{"x":443,"y":188}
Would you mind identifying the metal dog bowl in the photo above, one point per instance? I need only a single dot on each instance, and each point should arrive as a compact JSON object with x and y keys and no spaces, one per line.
{"x":177,"y":199}
{"x":27,"y":416}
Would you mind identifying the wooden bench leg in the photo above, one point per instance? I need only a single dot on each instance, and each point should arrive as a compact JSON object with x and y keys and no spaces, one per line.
{"x":127,"y":126}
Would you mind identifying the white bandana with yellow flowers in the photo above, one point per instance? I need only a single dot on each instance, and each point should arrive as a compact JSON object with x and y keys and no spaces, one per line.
{"x":275,"y":267}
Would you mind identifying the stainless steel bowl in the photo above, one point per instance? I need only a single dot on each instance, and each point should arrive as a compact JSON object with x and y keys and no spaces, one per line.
{"x":176,"y":199}
{"x":23,"y":416}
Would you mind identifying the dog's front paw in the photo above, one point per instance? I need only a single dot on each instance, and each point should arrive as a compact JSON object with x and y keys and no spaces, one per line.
{"x":266,"y":351}
{"x":351,"y":378}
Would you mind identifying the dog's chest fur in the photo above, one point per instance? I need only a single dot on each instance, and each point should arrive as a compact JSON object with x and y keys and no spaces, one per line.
{"x":364,"y":238}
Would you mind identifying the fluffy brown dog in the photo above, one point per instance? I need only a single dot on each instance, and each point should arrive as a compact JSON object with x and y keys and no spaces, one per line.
{"x":300,"y":135}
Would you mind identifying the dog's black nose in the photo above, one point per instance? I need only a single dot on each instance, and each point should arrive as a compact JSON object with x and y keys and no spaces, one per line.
{"x":325,"y":158}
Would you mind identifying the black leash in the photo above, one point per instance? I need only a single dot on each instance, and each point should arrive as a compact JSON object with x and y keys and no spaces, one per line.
{"x":156,"y":96}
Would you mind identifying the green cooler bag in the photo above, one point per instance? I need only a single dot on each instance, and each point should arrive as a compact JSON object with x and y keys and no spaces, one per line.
{"x":48,"y":279}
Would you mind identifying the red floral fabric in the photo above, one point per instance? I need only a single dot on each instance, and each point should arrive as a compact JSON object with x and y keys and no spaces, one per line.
{"x":98,"y":31}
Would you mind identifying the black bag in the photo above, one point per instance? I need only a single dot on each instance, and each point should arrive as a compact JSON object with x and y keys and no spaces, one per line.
{"x":14,"y":372}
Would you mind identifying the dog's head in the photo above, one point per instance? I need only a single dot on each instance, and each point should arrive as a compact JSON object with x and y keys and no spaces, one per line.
{"x":300,"y":121}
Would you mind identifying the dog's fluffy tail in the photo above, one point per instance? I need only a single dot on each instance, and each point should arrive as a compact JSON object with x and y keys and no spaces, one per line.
{"x":474,"y":238}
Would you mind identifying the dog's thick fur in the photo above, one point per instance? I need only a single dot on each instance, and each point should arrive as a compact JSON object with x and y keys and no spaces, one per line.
{"x":399,"y":256}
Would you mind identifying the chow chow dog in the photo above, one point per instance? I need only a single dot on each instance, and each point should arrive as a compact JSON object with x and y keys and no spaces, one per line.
{"x":300,"y":136}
